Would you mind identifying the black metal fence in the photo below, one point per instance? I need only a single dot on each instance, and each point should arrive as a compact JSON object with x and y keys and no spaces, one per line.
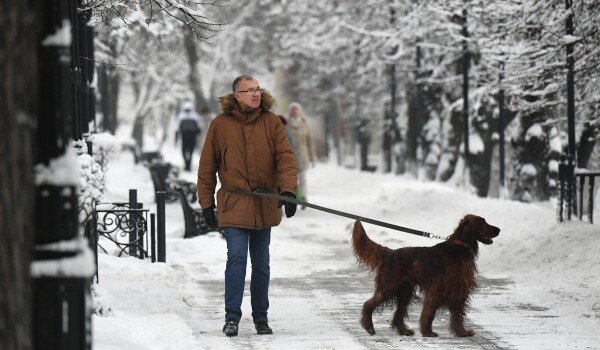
{"x":128,"y":229}
{"x":570,"y":198}
{"x":566,"y":189}
{"x":583,"y":175}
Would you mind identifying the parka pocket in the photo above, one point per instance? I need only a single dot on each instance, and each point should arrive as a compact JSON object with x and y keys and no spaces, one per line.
{"x":223,"y":159}
{"x":227,"y":197}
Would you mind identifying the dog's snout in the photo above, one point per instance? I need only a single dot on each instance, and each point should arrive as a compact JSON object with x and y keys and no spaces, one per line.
{"x":496,"y":231}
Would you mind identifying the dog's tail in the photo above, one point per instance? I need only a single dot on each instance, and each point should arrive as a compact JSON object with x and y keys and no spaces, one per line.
{"x":367,"y":252}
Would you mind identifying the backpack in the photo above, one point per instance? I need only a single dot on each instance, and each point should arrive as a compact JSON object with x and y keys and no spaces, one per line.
{"x":189,"y":125}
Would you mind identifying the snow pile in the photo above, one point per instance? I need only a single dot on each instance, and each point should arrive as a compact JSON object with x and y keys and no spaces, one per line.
{"x":99,"y":306}
{"x":80,"y":265}
{"x":62,"y":36}
{"x":62,"y":171}
{"x":534,"y":131}
{"x":475,"y":143}
{"x":528,"y":170}
{"x":555,"y":142}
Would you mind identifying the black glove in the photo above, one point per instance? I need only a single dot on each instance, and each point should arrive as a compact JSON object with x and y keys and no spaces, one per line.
{"x":209,"y":217}
{"x":290,"y":208}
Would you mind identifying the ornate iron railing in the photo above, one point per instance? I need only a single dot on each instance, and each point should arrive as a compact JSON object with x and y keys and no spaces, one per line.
{"x":126,"y":227}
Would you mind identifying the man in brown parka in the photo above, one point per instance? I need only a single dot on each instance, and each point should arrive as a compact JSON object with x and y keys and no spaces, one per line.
{"x":248,"y":147}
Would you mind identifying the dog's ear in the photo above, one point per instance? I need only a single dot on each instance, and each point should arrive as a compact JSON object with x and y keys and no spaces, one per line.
{"x":466,"y":228}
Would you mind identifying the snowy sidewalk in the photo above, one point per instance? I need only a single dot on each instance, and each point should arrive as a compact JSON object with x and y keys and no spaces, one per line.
{"x":539,"y":282}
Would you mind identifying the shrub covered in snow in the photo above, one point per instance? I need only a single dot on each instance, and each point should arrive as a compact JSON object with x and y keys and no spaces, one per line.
{"x":535,"y":150}
{"x":91,"y":182}
{"x":92,"y":169}
{"x":104,"y":145}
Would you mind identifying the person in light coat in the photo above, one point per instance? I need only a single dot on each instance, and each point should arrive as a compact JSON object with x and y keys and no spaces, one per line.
{"x":303,"y":145}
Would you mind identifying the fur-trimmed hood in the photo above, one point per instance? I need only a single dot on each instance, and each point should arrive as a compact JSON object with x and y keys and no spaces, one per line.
{"x":228,"y":103}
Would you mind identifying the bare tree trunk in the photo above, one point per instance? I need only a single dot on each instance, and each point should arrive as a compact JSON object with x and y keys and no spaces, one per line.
{"x":144,"y":92}
{"x":189,"y":42}
{"x":138,"y":131}
{"x":108,"y":85}
{"x":18,"y":93}
{"x":452,"y":150}
{"x":417,"y":117}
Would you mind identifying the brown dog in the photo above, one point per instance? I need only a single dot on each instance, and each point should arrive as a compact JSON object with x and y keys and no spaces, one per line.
{"x":444,"y":273}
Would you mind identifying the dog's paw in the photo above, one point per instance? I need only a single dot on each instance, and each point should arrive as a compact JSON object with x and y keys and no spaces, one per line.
{"x":465,"y":333}
{"x":368,"y":326}
{"x":405,"y":331}
{"x":430,"y":334}
{"x":370,"y":330}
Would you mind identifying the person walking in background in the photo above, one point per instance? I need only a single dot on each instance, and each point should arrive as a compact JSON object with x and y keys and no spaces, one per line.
{"x":299,"y":130}
{"x":189,"y":126}
{"x":287,"y":132}
{"x":247,"y":146}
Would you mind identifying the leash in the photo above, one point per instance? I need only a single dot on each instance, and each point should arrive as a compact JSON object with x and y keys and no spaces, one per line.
{"x":268,"y":194}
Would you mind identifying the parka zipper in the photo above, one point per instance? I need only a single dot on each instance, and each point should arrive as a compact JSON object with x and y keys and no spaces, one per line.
{"x":248,"y":172}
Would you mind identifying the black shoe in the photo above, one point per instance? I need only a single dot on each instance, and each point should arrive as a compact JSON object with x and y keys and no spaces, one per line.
{"x":262,"y":327}
{"x":231,"y":327}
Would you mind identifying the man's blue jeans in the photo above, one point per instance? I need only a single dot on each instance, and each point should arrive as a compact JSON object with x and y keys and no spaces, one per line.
{"x":239,"y":240}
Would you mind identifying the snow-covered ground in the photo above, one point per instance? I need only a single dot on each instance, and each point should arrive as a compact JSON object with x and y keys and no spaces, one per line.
{"x":539,"y":281}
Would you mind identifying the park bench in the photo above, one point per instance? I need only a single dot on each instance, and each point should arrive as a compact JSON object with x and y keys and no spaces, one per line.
{"x":189,"y":189}
{"x":194,"y":221}
{"x":163,"y":175}
{"x":143,"y":157}
{"x":164,"y":178}
{"x":149,"y":157}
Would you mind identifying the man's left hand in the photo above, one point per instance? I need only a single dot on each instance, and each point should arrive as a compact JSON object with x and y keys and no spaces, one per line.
{"x":290,"y":208}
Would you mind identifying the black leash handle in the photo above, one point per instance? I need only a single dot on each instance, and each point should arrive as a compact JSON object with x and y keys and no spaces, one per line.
{"x":268,"y":194}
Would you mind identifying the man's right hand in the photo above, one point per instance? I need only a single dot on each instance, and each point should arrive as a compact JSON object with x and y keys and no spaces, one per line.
{"x":209,"y":216}
{"x":290,"y":208}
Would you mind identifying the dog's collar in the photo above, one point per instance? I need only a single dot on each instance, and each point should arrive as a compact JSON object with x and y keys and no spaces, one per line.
{"x":461,"y":243}
{"x":458,"y":242}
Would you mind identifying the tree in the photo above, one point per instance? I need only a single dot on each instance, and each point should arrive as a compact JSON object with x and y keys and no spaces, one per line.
{"x":109,"y":78}
{"x":18,"y":91}
{"x":533,"y":43}
{"x":337,"y":55}
{"x":140,"y":42}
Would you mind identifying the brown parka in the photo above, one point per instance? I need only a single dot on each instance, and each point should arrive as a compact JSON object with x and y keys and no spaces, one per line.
{"x":249,"y":150}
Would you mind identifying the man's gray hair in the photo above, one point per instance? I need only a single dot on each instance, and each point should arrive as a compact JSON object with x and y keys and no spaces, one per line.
{"x":296,"y":105}
{"x":237,"y":80}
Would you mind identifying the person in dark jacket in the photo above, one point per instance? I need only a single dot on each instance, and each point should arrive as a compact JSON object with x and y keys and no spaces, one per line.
{"x":189,"y":127}
{"x":248,"y":147}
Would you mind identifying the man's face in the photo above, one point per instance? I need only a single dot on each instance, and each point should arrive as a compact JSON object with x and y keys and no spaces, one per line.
{"x":295,"y":111}
{"x":248,"y":93}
